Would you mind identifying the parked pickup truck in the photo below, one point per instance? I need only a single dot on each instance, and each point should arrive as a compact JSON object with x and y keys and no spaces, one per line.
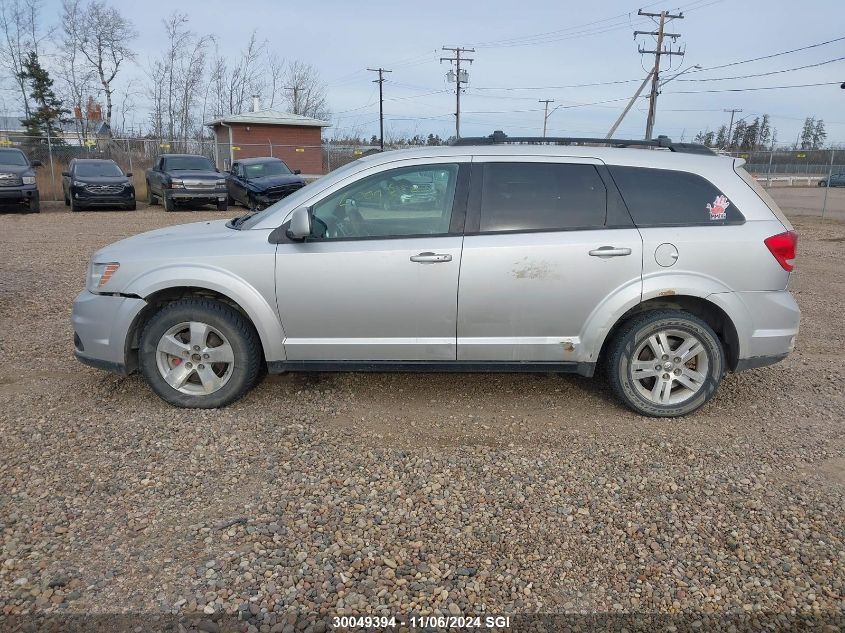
{"x":185,"y":179}
{"x":17,"y":181}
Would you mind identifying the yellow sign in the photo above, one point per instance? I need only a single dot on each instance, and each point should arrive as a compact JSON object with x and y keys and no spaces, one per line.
{"x":91,"y":143}
{"x":357,"y":152}
{"x":164,"y":145}
{"x":5,"y":141}
{"x":235,"y":148}
{"x":743,"y":155}
{"x":802,"y":156}
{"x":300,"y":149}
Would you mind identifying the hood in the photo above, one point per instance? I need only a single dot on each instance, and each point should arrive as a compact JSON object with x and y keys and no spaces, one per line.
{"x":200,"y":174}
{"x":20,"y":170}
{"x":268,"y":182}
{"x":103,"y":180}
{"x":169,"y":239}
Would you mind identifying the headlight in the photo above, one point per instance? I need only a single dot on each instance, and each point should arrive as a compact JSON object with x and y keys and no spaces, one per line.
{"x":100,"y":274}
{"x":177,"y":184}
{"x":78,"y":183}
{"x":28,"y":180}
{"x":221,"y":183}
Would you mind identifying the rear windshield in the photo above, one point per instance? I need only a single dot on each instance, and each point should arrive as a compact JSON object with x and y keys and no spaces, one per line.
{"x":13,"y":157}
{"x":105,"y":168}
{"x":665,"y":197}
{"x":182,"y":163}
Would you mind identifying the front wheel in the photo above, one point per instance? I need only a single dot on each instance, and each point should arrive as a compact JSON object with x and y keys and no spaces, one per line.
{"x":222,"y":205}
{"x":169,"y":204}
{"x":666,"y":363}
{"x":151,"y":199}
{"x":199,"y":353}
{"x":822,"y":183}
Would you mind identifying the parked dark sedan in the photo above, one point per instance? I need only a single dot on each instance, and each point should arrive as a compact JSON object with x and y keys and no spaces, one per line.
{"x":836,"y":180}
{"x":93,"y":182}
{"x":257,"y":183}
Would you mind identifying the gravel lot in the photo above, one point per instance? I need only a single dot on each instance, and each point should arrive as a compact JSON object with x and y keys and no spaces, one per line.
{"x":369,"y":493}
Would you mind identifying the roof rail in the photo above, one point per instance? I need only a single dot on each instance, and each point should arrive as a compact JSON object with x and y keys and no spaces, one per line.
{"x":500,"y":138}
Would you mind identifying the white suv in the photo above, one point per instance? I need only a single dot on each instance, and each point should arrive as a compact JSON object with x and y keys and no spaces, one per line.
{"x":665,"y":261}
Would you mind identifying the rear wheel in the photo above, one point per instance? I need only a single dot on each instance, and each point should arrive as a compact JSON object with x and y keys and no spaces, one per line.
{"x":666,"y":363}
{"x":199,"y":353}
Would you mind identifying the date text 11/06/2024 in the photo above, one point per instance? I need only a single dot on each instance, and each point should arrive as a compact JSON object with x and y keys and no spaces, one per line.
{"x":499,"y":622}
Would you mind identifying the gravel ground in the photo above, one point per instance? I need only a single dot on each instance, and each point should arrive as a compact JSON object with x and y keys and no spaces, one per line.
{"x":435,"y":494}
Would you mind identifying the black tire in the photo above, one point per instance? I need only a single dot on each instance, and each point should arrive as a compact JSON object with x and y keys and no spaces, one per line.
{"x":131,"y":206}
{"x":232,"y":202}
{"x":74,"y":207}
{"x":238,"y":330}
{"x":67,"y":201}
{"x":169,"y":204}
{"x":822,"y":183}
{"x":222,"y":206}
{"x":151,"y":199}
{"x":635,"y":334}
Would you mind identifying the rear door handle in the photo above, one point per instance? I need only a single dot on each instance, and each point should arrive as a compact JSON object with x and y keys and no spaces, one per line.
{"x":431,"y":258}
{"x":610,"y":251}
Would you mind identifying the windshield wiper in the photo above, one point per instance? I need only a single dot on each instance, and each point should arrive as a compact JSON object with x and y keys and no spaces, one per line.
{"x":236,"y":222}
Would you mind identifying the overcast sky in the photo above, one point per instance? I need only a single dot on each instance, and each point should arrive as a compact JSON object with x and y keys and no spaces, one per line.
{"x":530,"y":50}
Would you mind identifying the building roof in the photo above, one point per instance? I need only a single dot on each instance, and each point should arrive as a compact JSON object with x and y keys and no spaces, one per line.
{"x":270,"y":117}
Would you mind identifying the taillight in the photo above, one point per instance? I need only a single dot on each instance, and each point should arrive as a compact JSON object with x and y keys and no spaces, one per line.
{"x":783,"y":247}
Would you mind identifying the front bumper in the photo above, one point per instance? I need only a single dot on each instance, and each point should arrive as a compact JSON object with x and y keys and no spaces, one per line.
{"x":217,"y":195}
{"x":101,"y":325}
{"x":18,"y":195}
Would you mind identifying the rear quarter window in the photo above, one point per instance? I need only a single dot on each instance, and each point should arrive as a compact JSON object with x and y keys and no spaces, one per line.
{"x":665,"y":197}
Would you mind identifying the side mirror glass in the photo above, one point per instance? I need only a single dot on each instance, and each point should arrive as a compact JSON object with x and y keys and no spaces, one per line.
{"x":36,"y":163}
{"x":66,"y":173}
{"x":297,"y":171}
{"x":300,"y":224}
{"x":129,"y":174}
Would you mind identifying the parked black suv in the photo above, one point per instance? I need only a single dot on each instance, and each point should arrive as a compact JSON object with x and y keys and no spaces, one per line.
{"x":257,"y":183}
{"x":93,"y":182}
{"x":17,"y":181}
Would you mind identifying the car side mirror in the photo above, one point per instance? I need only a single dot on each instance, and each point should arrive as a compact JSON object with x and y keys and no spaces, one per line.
{"x":297,"y":171}
{"x":36,"y":163}
{"x":66,"y":173}
{"x":300,"y":224}
{"x":129,"y":174}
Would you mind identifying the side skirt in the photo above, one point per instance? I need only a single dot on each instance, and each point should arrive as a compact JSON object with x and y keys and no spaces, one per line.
{"x":470,"y":367}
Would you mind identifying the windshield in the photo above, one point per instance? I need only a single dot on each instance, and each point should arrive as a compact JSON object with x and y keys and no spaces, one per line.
{"x":13,"y":157}
{"x":300,"y":195}
{"x":182,"y":163}
{"x":104,"y":168}
{"x":270,"y":168}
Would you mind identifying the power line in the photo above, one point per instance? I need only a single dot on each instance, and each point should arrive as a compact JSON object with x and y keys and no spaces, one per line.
{"x":773,"y":72}
{"x":380,"y":82}
{"x":694,"y":92}
{"x":757,"y":59}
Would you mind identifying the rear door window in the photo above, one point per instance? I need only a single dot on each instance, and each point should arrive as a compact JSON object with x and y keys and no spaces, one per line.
{"x":541,"y":197}
{"x":664,"y":197}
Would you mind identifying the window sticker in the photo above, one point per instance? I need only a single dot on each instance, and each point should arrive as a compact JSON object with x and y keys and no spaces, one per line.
{"x":718,"y":210}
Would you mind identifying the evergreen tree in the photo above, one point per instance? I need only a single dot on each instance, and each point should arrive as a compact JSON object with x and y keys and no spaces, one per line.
{"x":819,"y":134}
{"x":48,"y":112}
{"x":807,"y":132}
{"x":722,"y":137}
{"x":738,"y":135}
{"x":750,"y":137}
{"x":765,"y":136}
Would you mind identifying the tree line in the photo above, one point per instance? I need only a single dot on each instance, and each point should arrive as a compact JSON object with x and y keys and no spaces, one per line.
{"x":760,"y":135}
{"x":74,"y":72}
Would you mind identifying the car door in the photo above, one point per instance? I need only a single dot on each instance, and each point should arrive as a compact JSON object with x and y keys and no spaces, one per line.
{"x":379,"y":279}
{"x":548,"y":240}
{"x":232,"y":182}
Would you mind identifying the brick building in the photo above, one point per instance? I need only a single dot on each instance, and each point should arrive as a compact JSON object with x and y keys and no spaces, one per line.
{"x":294,"y":138}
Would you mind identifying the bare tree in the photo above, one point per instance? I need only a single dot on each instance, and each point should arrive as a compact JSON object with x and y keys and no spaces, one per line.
{"x":21,"y":34}
{"x":234,"y":85}
{"x":103,"y":39}
{"x":75,"y":72}
{"x":275,"y":77}
{"x":306,"y":93}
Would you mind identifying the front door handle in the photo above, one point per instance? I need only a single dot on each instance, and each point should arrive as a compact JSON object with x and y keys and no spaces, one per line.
{"x":610,"y":251}
{"x":431,"y":258}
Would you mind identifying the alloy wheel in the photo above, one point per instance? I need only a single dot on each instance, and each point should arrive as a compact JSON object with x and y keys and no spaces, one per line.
{"x":669,"y":367}
{"x":195,"y":358}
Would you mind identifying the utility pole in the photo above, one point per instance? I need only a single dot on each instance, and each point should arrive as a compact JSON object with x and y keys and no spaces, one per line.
{"x":733,"y":112}
{"x":658,"y":52}
{"x":295,"y":90}
{"x":380,"y":82}
{"x":460,"y":76}
{"x":546,"y":113}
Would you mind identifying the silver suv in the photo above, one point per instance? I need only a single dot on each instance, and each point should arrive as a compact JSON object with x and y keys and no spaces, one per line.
{"x":666,"y":264}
